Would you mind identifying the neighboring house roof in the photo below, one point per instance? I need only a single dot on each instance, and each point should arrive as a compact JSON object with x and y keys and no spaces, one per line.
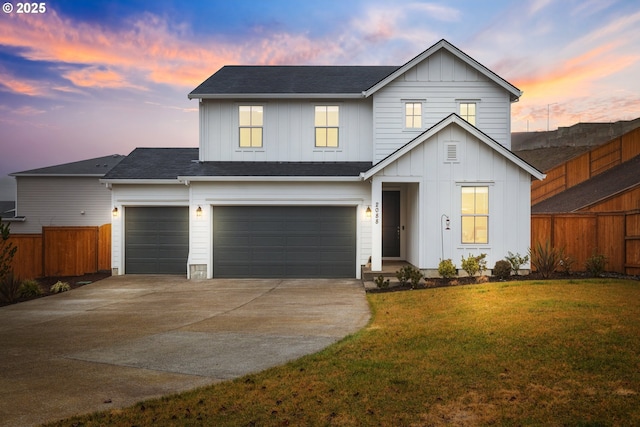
{"x":453,"y":119}
{"x":91,"y":167}
{"x":443,"y":44}
{"x":7,"y":209}
{"x":234,"y":81}
{"x":173,"y":164}
{"x":609,"y":183}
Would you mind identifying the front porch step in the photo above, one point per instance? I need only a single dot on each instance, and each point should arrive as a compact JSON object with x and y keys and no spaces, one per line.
{"x":389,"y":269}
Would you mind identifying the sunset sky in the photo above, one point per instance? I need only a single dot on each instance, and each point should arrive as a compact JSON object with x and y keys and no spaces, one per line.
{"x":91,"y":78}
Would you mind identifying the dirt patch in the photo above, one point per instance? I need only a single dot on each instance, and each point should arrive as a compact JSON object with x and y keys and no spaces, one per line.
{"x":73,"y":281}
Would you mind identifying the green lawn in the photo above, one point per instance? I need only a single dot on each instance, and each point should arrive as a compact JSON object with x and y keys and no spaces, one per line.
{"x":514,"y":353}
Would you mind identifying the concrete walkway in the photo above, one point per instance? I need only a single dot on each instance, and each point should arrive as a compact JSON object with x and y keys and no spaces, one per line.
{"x":124,"y":339}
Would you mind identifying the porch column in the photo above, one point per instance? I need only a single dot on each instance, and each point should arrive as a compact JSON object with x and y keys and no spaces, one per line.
{"x":376,"y":224}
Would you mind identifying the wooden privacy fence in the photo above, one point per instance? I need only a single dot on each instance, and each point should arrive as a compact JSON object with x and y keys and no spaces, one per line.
{"x":615,"y":235}
{"x":587,"y":165}
{"x":62,"y":251}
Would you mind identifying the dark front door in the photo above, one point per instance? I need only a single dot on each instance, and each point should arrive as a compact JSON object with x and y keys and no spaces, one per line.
{"x":390,"y":223}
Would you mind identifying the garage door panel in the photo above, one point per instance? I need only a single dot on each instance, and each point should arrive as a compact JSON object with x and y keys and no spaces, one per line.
{"x":293,"y":241}
{"x":156,"y":240}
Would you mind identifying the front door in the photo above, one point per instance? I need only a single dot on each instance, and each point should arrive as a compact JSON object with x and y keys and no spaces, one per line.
{"x":391,"y":224}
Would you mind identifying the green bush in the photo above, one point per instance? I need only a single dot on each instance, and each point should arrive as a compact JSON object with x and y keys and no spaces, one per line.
{"x":447,"y":269}
{"x":59,"y":287}
{"x":566,"y":262}
{"x":516,"y":261}
{"x":502,"y":269}
{"x":545,"y":259}
{"x":473,"y":264}
{"x":29,"y":289}
{"x":408,"y":274}
{"x":595,"y":264}
{"x":9,"y":288}
{"x":381,"y":282}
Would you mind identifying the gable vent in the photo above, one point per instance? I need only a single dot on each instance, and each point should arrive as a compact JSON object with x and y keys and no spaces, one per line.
{"x":451,"y":152}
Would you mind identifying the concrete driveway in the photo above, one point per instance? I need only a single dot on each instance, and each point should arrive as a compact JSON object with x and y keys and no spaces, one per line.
{"x":128,"y":338}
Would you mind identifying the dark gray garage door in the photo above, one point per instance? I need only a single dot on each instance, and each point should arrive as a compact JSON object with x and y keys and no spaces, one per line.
{"x":156,"y":240}
{"x":284,"y":241}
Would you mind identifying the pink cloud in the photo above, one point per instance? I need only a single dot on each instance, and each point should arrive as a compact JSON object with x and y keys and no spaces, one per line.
{"x":20,"y":86}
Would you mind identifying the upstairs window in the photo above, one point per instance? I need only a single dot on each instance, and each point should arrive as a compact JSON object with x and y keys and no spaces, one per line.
{"x":327,"y":124}
{"x":250,"y":121}
{"x":475,"y":215}
{"x":413,"y":115}
{"x":468,"y":112}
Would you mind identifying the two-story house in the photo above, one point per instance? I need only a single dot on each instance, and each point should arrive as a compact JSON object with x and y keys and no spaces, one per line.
{"x":312,"y":171}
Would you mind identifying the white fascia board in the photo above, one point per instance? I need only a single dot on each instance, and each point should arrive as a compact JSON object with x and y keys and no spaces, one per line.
{"x":443,"y":44}
{"x":269,"y":178}
{"x":141,"y":181}
{"x":279,"y":96}
{"x":453,"y":118}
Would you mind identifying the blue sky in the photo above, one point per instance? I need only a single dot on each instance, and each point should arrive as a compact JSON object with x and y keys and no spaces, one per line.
{"x":92,"y":78}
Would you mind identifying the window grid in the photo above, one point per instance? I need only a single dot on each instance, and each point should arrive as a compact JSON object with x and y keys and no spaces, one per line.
{"x":250,"y":119}
{"x":413,"y":115}
{"x":327,"y":120}
{"x":475,"y":215}
{"x":468,"y":112}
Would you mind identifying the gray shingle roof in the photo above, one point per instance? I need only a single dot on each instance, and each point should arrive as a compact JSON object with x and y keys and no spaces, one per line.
{"x":592,"y":190}
{"x":233,"y":79}
{"x":91,"y":167}
{"x":170,"y":163}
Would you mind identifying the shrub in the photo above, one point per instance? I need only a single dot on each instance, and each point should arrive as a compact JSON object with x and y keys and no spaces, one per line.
{"x":447,"y":269}
{"x":381,"y":282}
{"x":516,"y":261}
{"x":502,"y":269}
{"x":7,"y":252}
{"x":566,"y":262}
{"x":59,"y":287}
{"x":29,"y":289}
{"x":408,"y":274}
{"x":545,"y":258}
{"x":473,"y":264}
{"x":9,"y":288}
{"x":595,"y":264}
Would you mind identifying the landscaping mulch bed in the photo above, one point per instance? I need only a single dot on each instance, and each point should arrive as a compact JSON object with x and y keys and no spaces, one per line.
{"x":438,"y":282}
{"x":73,"y":281}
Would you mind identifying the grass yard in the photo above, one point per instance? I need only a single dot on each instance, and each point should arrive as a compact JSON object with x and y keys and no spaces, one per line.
{"x":514,"y":353}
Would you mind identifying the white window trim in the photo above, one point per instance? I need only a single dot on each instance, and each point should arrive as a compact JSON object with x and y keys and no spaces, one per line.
{"x":404,"y":116}
{"x":469,"y":101}
{"x":458,"y":204}
{"x":237,"y":120}
{"x":340,"y":108}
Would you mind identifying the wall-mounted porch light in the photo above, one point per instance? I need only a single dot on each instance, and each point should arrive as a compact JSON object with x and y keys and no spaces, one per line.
{"x":446,"y":227}
{"x":368,"y":212}
{"x":199,"y":212}
{"x":114,"y":212}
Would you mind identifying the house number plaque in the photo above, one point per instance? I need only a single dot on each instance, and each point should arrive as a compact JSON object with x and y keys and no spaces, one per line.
{"x":377,"y":213}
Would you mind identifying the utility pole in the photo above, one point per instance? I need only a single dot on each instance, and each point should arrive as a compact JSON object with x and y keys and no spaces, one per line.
{"x":548,"y":114}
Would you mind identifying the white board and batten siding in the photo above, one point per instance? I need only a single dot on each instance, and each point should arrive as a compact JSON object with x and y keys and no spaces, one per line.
{"x":250,"y":193}
{"x":440,"y":82}
{"x":61,"y":201}
{"x":288,"y":132}
{"x":439,"y":192}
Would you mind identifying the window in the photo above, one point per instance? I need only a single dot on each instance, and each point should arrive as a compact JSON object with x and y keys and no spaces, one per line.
{"x":468,"y":112}
{"x":250,"y":123}
{"x":413,"y":115}
{"x":475,"y":214}
{"x":327,"y":122}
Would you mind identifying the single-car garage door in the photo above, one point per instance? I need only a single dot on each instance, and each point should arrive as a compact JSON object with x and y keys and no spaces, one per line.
{"x":284,"y":241}
{"x":156,"y":240}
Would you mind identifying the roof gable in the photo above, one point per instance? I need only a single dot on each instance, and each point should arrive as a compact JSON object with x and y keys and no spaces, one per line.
{"x":98,"y":166}
{"x":514,"y":92}
{"x":459,"y":121}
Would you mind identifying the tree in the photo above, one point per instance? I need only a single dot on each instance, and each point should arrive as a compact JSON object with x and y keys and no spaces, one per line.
{"x":7,"y":250}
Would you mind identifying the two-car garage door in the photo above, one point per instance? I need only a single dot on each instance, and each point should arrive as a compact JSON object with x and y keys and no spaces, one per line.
{"x":248,"y":241}
{"x":284,"y":241}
